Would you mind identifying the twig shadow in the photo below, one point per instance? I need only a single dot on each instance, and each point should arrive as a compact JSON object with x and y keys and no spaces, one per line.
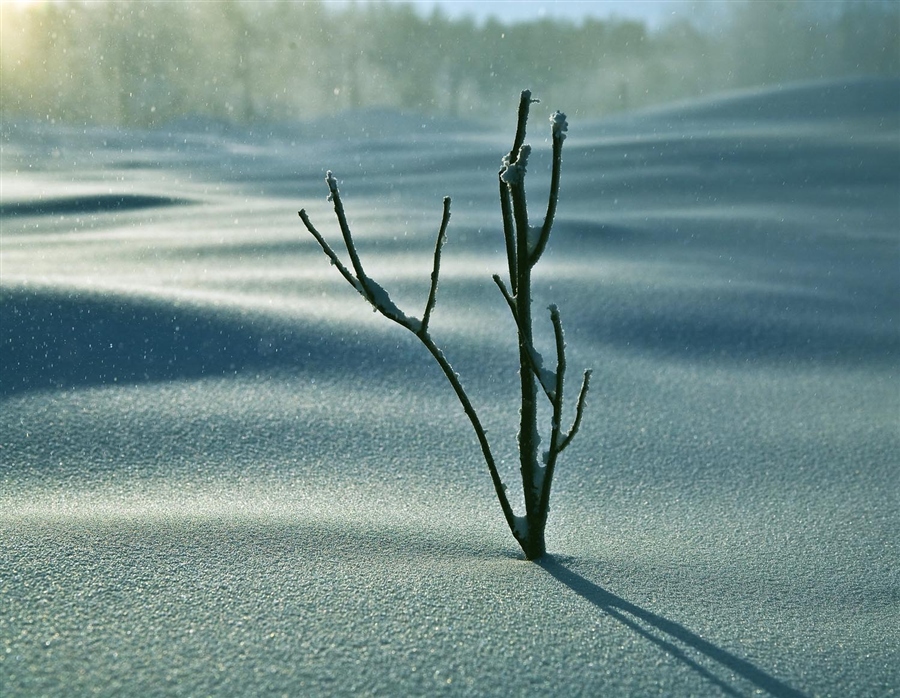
{"x":665,"y":633}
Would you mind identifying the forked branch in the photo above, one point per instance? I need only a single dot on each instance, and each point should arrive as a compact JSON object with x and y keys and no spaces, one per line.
{"x":380,"y":300}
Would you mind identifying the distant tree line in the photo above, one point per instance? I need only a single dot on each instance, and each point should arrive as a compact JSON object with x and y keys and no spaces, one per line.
{"x":145,"y":63}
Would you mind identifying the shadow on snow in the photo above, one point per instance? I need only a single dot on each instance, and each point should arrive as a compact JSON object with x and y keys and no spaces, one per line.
{"x":95,"y":203}
{"x":665,"y":633}
{"x":55,"y":340}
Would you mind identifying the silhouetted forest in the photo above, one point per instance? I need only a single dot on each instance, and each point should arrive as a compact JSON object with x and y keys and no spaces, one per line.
{"x":146,"y":63}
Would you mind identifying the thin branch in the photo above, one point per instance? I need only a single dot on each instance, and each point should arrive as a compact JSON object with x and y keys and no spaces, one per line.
{"x":436,"y":269}
{"x":480,"y":432}
{"x":535,"y":361}
{"x":559,"y":135}
{"x":331,"y":255}
{"x":557,"y":401}
{"x":579,"y":410}
{"x":525,"y":102}
{"x":544,"y":506}
{"x":335,"y":197}
{"x":510,"y":299}
{"x":513,"y":174}
{"x":560,"y":353}
{"x":506,"y":189}
{"x":509,"y":233}
{"x":520,"y":215}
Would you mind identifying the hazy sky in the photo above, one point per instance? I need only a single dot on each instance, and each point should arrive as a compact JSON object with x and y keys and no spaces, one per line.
{"x":653,"y":12}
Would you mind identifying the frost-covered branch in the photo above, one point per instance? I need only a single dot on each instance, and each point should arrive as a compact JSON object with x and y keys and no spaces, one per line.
{"x":380,"y":300}
{"x":367,"y":287}
{"x":546,"y":378}
{"x":525,"y":102}
{"x":436,"y":267}
{"x":509,"y":231}
{"x":335,"y":198}
{"x":579,"y":411}
{"x":557,"y":401}
{"x":558,"y":131}
{"x":331,"y":255}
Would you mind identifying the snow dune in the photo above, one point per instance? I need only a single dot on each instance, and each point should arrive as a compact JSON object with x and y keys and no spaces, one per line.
{"x":222,"y":474}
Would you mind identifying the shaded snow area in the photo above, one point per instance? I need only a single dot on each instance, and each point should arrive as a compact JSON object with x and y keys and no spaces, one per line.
{"x":222,"y":474}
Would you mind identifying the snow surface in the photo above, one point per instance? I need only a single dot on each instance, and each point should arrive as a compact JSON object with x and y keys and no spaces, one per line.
{"x":222,"y":474}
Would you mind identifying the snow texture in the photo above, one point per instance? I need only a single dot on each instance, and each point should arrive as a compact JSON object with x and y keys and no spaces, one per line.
{"x":221,"y":475}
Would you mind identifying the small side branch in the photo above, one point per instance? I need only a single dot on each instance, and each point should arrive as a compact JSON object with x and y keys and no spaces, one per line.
{"x":559,"y":128}
{"x":579,"y":411}
{"x":509,"y":231}
{"x":331,"y":255}
{"x":480,"y":433}
{"x":516,"y":228}
{"x":335,"y":198}
{"x":436,"y":269}
{"x":512,"y":196}
{"x":558,"y":441}
{"x":510,"y":299}
{"x":557,"y":400}
{"x":378,"y":297}
{"x":525,"y":102}
{"x":547,"y":379}
{"x":560,"y":354}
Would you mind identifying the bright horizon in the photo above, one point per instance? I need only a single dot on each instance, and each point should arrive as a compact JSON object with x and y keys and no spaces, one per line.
{"x":653,"y":12}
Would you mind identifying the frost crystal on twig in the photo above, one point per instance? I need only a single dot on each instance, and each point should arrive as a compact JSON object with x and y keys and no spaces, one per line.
{"x":560,"y":125}
{"x":514,"y":172}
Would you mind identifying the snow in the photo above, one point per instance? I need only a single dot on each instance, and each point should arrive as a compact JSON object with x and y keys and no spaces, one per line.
{"x":382,"y":301}
{"x":559,"y":125}
{"x":221,"y":475}
{"x":332,"y":185}
{"x":513,"y":173}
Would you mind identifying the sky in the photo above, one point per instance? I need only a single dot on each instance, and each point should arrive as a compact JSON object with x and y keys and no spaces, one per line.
{"x":653,"y":12}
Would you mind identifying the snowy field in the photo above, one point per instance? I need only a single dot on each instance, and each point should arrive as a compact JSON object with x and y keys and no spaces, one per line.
{"x":222,"y":474}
